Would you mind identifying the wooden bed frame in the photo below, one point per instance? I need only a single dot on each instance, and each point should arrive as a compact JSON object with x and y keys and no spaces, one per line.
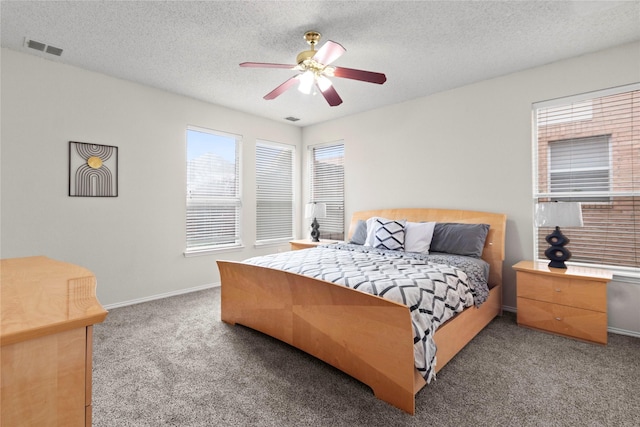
{"x":365,"y":336}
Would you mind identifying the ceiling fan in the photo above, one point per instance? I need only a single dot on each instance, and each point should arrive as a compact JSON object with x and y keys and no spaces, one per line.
{"x":315,"y":70}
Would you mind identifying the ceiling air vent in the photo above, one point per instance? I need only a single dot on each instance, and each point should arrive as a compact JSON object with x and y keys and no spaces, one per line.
{"x":43,"y":47}
{"x":292,"y":119}
{"x":54,"y":50}
{"x":36,"y":45}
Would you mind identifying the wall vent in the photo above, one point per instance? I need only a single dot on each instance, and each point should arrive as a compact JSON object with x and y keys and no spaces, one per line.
{"x":42,"y":47}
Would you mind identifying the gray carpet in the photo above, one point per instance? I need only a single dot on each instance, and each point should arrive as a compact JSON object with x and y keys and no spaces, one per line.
{"x":172,"y":362}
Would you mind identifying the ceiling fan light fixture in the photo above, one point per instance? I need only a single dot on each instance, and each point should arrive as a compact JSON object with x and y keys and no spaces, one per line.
{"x":315,"y":71}
{"x":323,"y":83}
{"x":328,"y":71}
{"x":306,"y":82}
{"x":305,"y":56}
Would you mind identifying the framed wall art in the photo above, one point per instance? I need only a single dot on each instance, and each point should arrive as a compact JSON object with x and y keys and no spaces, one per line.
{"x":93,"y":170}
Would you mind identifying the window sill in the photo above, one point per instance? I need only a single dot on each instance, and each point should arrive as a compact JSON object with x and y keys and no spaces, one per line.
{"x":210,"y":251}
{"x":620,"y":274}
{"x":269,"y":243}
{"x":626,"y":277}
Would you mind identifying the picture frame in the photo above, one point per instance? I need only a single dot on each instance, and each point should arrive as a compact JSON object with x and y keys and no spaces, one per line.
{"x":93,"y":170}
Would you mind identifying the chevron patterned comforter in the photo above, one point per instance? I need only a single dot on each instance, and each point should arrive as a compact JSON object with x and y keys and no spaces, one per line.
{"x":435,"y":287}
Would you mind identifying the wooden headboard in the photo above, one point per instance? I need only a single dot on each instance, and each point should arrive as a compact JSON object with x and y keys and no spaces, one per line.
{"x":493,"y":251}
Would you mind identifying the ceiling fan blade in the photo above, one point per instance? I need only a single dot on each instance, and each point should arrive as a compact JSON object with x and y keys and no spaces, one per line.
{"x":365,"y":76}
{"x":331,"y":95}
{"x":282,"y":88}
{"x":329,"y":52}
{"x":266,"y":65}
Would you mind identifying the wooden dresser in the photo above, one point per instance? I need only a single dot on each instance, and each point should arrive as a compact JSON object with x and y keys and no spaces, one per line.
{"x":48,"y":309}
{"x":570,"y":302}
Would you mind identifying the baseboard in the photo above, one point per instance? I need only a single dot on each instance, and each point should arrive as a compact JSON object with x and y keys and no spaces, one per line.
{"x":509,"y":309}
{"x":623,"y":332}
{"x":161,"y":296}
{"x":609,"y":328}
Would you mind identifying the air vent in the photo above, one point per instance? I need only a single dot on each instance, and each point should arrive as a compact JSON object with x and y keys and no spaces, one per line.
{"x":54,"y":50}
{"x":43,"y":47}
{"x":36,"y":45}
{"x":292,"y":119}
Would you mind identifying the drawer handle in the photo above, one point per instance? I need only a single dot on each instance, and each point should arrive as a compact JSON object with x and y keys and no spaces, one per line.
{"x":558,"y":290}
{"x":558,"y":318}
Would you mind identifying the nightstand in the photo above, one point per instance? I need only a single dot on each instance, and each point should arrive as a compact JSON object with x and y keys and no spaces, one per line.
{"x":307,"y":243}
{"x":571,"y":302}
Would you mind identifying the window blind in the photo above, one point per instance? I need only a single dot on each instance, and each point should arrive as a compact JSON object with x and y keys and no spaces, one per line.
{"x":580,"y":165}
{"x":327,"y":186}
{"x":274,"y":192}
{"x":587,"y":149}
{"x":213,"y":190}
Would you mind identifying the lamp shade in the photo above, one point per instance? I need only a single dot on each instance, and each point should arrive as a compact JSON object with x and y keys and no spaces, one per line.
{"x":315,"y":210}
{"x":558,"y":214}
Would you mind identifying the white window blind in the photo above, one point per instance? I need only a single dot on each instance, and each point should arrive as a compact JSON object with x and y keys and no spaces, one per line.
{"x":327,"y":186}
{"x":580,"y":165}
{"x":213,"y":190}
{"x":587,"y":149}
{"x":274,"y":192}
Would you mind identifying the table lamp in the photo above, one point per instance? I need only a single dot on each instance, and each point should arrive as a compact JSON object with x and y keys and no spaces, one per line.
{"x":558,"y":214}
{"x":315,"y":210}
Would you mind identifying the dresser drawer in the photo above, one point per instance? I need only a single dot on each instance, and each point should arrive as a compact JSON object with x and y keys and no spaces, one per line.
{"x":570,"y":321}
{"x":573,"y":292}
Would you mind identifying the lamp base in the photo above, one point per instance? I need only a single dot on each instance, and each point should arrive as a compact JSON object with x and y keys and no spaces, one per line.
{"x":557,"y":253}
{"x":557,"y":264}
{"x":315,"y":233}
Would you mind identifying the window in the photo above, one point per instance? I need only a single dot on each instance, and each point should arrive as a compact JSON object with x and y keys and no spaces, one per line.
{"x":327,"y":186}
{"x":274,"y":192}
{"x":213,"y":190}
{"x":580,"y":165}
{"x":587,"y":149}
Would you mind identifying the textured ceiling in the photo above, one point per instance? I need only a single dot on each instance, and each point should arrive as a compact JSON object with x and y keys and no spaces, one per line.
{"x":423,"y":47}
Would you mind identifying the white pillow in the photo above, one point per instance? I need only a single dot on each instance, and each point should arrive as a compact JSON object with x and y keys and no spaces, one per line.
{"x":371,"y":230}
{"x":418,"y":235}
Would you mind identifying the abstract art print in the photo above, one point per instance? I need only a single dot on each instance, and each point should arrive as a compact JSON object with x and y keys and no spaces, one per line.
{"x":93,"y":170}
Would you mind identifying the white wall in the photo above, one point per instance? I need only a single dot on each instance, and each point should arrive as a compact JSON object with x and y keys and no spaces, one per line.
{"x":470,"y":148}
{"x":133,"y":243}
{"x":467,"y":148}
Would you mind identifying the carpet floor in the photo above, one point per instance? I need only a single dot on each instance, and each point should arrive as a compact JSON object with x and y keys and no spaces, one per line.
{"x":172,"y":362}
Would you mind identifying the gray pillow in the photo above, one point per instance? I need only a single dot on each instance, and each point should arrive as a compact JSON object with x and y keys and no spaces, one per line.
{"x":459,"y":239}
{"x":360,"y":234}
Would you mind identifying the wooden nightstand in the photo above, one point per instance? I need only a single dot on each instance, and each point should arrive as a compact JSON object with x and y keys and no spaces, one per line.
{"x":307,"y":243}
{"x":570,"y":302}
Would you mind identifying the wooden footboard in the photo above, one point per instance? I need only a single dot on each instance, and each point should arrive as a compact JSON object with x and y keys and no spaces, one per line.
{"x":365,"y":336}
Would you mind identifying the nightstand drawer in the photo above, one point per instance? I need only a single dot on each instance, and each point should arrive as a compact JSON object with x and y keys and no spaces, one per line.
{"x":570,"y":321}
{"x":580,"y":293}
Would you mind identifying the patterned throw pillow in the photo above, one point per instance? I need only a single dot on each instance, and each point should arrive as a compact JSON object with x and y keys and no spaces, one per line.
{"x":389,"y":234}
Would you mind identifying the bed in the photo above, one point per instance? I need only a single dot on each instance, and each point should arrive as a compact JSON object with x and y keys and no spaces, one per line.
{"x":366,"y":336}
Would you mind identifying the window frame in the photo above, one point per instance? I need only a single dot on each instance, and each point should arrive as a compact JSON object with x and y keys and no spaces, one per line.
{"x":292,"y":150}
{"x":315,"y":198}
{"x":621,"y":272}
{"x":236,"y":200}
